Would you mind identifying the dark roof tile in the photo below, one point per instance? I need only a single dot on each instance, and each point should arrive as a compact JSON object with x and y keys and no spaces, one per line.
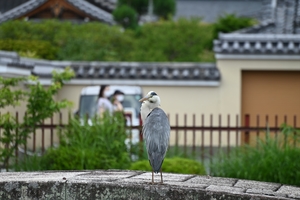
{"x":118,"y":70}
{"x":84,"y":6}
{"x":269,"y":44}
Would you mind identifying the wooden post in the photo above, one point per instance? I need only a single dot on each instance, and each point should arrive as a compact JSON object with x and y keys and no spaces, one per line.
{"x":247,"y":124}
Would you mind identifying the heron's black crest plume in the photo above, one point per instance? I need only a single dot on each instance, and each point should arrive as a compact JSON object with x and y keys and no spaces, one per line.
{"x":153,"y":93}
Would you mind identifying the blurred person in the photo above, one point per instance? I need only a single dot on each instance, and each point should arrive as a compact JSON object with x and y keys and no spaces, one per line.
{"x":117,"y":99}
{"x":104,"y":105}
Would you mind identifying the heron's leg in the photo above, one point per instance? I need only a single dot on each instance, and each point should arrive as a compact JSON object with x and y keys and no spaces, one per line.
{"x":152,"y":177}
{"x":161,"y":178}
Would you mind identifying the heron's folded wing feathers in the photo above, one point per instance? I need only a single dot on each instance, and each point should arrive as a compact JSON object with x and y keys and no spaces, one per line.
{"x":156,"y":132}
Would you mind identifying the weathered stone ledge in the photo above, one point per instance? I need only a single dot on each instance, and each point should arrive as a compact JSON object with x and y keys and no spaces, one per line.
{"x":115,"y":184}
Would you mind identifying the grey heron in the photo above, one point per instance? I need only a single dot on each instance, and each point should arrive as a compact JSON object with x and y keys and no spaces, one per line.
{"x":156,"y":131}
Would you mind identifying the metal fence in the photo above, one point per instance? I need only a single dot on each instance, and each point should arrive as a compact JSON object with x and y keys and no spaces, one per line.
{"x":200,"y":136}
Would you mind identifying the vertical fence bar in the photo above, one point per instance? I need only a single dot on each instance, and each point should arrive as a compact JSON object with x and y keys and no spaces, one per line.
{"x":129,"y":115}
{"x":228,"y":135}
{"x":17,"y":138}
{"x":194,"y":135}
{"x":51,"y":132}
{"x":34,"y":140}
{"x":247,"y":124}
{"x":220,"y":125}
{"x":285,"y":137}
{"x":268,"y":126}
{"x":257,"y":131}
{"x":211,"y":139}
{"x":25,"y":145}
{"x":237,"y":132}
{"x":185,"y":136}
{"x":141,"y":152}
{"x":176,"y":134}
{"x":276,"y":126}
{"x":295,"y":125}
{"x":43,"y":137}
{"x":202,"y":139}
{"x":168,"y":115}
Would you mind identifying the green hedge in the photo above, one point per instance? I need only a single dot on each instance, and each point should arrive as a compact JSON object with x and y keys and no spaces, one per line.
{"x":84,"y":146}
{"x":30,"y":48}
{"x":184,"y":40}
{"x":274,"y":160}
{"x":173,"y":165}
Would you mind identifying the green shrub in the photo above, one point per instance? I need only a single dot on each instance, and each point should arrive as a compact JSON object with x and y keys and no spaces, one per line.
{"x":126,"y":16}
{"x":35,"y":48}
{"x":94,"y":41}
{"x":173,"y":165}
{"x":165,"y":9}
{"x":182,"y":40}
{"x":230,"y":23}
{"x":31,"y":163}
{"x":84,"y":146}
{"x":274,"y":160}
{"x":140,"y":6}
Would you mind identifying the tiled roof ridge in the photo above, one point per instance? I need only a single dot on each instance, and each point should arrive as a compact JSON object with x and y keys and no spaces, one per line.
{"x":95,"y":11}
{"x":251,"y":41}
{"x":84,"y":6}
{"x":163,"y":71}
{"x":20,"y":10}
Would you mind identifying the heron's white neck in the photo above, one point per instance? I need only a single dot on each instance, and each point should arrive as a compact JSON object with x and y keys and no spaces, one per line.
{"x":147,"y":107}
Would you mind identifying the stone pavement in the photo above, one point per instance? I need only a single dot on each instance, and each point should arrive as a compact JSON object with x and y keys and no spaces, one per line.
{"x":116,"y":184}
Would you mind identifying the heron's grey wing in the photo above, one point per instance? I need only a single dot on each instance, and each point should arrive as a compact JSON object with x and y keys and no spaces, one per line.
{"x":156,"y":132}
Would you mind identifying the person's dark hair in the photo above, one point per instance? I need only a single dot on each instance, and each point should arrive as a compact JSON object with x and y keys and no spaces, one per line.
{"x":101,"y":91}
{"x":118,"y":92}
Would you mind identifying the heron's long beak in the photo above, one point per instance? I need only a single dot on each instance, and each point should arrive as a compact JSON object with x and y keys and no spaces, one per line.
{"x":144,"y":98}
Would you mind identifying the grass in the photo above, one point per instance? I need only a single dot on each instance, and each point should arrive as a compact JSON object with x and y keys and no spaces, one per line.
{"x":273,"y":160}
{"x":173,"y":165}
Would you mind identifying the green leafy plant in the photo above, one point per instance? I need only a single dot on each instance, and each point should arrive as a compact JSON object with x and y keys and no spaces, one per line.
{"x":95,"y":144}
{"x":164,"y":9}
{"x":230,"y":22}
{"x":38,"y":48}
{"x":126,"y":16}
{"x":273,"y":160}
{"x":179,"y":41}
{"x":182,"y":40}
{"x":173,"y":165}
{"x":40,"y":106}
{"x":139,"y":6}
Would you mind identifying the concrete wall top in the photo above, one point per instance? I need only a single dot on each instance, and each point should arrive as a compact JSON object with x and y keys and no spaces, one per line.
{"x":116,"y":184}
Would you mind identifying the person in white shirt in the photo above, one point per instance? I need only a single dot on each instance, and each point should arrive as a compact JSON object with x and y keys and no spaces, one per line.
{"x":104,"y":103}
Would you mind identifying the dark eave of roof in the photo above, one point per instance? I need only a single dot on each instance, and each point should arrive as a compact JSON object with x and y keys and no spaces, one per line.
{"x":257,"y":44}
{"x":20,"y":10}
{"x":195,"y":72}
{"x":84,"y":6}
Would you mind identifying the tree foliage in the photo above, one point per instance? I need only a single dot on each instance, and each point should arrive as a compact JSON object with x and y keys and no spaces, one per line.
{"x":85,"y":146}
{"x":164,"y":8}
{"x":140,"y":6}
{"x":123,"y":15}
{"x":183,"y":40}
{"x":126,"y":16}
{"x":230,"y":22}
{"x":40,"y":106}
